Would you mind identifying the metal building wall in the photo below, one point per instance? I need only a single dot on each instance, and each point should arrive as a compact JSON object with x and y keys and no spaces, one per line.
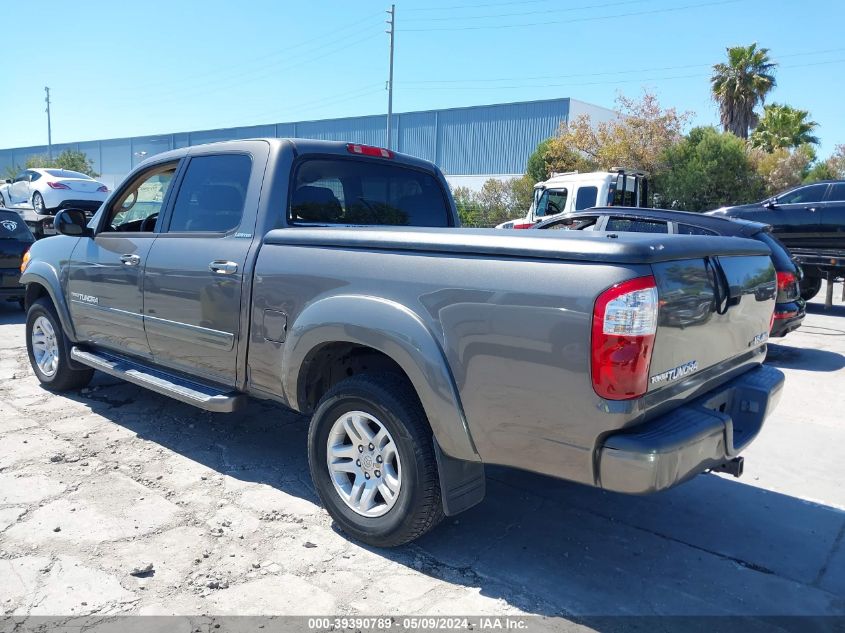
{"x":490,"y":139}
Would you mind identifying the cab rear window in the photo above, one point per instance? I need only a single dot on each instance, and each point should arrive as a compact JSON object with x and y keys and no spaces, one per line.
{"x":366,"y":192}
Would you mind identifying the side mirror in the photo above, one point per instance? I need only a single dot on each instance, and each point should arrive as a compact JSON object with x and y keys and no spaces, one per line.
{"x":771,"y":203}
{"x":8,"y":181}
{"x":72,"y":222}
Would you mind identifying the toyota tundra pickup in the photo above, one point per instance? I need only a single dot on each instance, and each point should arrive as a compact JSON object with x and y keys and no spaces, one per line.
{"x":333,"y":279}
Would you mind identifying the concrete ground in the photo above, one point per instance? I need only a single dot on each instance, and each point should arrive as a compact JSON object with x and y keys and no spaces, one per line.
{"x":97,"y":485}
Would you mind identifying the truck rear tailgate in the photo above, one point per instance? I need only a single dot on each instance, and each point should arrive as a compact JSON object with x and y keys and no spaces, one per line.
{"x":711,"y":310}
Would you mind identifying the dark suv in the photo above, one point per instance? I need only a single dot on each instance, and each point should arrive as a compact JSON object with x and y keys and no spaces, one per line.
{"x":810,"y":221}
{"x":790,"y":308}
{"x":15,"y":240}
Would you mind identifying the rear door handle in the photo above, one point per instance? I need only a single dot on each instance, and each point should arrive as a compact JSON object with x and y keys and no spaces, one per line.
{"x":130,"y":260}
{"x":220,"y":267}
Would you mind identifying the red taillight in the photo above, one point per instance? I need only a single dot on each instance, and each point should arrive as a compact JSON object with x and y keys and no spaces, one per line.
{"x":103,"y":189}
{"x":787,"y":283}
{"x":57,"y":185}
{"x":368,"y":150}
{"x":624,"y":324}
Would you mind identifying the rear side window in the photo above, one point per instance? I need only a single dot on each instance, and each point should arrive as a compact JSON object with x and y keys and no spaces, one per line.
{"x":212,"y":194}
{"x":365,"y":192}
{"x":636,"y":225}
{"x":586,"y":198}
{"x":780,"y":256}
{"x":837,"y":192}
{"x":12,"y":227}
{"x":689,"y":229}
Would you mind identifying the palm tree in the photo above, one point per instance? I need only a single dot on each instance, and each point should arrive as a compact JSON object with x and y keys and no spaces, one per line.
{"x":783,"y":126}
{"x":740,"y":85}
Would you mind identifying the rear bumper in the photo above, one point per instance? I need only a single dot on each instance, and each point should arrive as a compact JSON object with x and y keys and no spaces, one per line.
{"x":10,"y":284}
{"x":703,"y":434}
{"x":788,"y":317}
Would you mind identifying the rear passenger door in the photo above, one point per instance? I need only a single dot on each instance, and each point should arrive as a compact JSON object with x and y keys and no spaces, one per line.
{"x":197,"y":268}
{"x":833,"y":217}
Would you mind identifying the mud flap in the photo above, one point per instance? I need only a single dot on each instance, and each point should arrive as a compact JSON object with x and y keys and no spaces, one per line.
{"x":462,"y":483}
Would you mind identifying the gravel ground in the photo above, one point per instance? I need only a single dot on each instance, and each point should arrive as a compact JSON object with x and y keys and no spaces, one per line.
{"x":114,"y":500}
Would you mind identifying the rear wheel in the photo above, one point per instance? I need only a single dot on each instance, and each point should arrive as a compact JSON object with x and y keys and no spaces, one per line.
{"x":372,"y":461}
{"x":810,"y":287}
{"x":48,"y":349}
{"x":38,"y":203}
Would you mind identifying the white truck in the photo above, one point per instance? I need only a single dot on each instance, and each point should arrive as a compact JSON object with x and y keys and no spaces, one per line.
{"x":572,"y":191}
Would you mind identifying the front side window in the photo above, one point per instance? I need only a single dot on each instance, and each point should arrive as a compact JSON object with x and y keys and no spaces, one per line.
{"x":23,"y":176}
{"x":138,"y":207}
{"x":586,"y":197}
{"x":813,"y":193}
{"x":363,"y":192}
{"x":551,"y":202}
{"x":636,"y":225}
{"x":212,"y":194}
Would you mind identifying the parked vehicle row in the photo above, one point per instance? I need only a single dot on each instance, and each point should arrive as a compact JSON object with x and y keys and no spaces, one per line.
{"x":790,"y":307}
{"x":40,"y":193}
{"x":810,"y":221}
{"x":328,"y":277}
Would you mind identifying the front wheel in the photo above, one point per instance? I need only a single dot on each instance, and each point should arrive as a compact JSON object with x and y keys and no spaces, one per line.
{"x":48,"y":349}
{"x":2,"y":201}
{"x":810,"y":287}
{"x":371,"y":454}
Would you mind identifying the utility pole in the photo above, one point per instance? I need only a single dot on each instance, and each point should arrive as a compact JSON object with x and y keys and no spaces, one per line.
{"x":392,"y":34}
{"x":49,"y":129}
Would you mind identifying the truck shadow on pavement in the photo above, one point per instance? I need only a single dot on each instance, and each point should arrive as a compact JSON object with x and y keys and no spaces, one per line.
{"x":11,"y":314}
{"x":713,"y":546}
{"x":804,"y":358}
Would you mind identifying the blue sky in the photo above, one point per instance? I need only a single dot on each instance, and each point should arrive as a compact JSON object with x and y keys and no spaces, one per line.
{"x":125,"y":68}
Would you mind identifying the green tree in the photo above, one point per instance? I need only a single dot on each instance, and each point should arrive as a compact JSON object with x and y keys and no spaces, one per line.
{"x":637,"y":139}
{"x":820,"y":171}
{"x":68,"y":159}
{"x":740,"y":84}
{"x":707,"y":170}
{"x":496,"y":202}
{"x":782,"y":168}
{"x":537,"y":167}
{"x":783,"y":126}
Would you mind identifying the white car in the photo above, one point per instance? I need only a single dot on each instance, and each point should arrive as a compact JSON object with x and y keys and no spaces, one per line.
{"x":48,"y":190}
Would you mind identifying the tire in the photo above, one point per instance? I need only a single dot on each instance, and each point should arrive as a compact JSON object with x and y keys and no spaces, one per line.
{"x":390,"y":402}
{"x":2,"y":201}
{"x":56,"y":375}
{"x":38,"y":203}
{"x":22,"y":304}
{"x":810,"y":287}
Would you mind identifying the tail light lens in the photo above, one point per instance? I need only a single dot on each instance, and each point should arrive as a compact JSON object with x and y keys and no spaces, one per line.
{"x":368,"y":150}
{"x":787,"y":285}
{"x":624,"y":325}
{"x":57,"y":185}
{"x":103,"y":189}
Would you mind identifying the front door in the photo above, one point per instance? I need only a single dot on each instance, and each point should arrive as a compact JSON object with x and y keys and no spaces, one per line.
{"x":105,"y":283}
{"x":796,"y":218}
{"x":19,"y":189}
{"x":196,"y":269}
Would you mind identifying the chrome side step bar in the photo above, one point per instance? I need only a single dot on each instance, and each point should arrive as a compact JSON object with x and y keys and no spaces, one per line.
{"x":200,"y":395}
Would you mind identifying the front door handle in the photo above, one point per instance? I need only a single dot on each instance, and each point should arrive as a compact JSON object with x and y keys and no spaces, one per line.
{"x":813,"y":209}
{"x":220,"y":267}
{"x":130,"y":260}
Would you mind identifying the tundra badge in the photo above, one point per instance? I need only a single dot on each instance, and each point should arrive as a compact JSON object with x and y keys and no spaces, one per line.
{"x":678,"y":372}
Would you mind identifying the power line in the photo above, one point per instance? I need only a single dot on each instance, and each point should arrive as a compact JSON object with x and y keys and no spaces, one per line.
{"x":521,"y":13}
{"x":573,"y":20}
{"x":479,"y":6}
{"x":464,"y":80}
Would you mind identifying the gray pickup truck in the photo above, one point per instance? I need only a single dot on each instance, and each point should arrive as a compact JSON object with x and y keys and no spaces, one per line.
{"x":332,"y":278}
